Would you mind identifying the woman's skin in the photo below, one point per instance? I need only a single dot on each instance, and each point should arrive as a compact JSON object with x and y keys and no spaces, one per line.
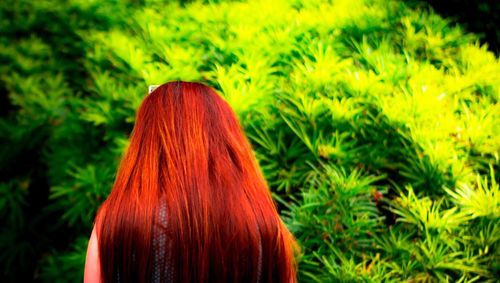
{"x":92,"y":272}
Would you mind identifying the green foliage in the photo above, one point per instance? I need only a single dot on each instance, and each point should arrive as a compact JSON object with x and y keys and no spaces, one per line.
{"x":66,"y":267}
{"x":374,"y":125}
{"x":336,"y":219}
{"x":43,"y":83}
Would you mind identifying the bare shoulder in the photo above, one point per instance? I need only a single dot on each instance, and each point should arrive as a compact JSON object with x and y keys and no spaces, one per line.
{"x":92,"y":272}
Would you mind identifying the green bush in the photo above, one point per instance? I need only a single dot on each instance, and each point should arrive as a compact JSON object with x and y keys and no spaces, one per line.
{"x":477,"y":16}
{"x":374,"y":125}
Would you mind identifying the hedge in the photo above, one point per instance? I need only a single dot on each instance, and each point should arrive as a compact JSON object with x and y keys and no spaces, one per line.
{"x":374,"y":124}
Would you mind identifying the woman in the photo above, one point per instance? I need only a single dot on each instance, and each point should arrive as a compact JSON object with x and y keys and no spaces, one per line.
{"x":189,"y":203}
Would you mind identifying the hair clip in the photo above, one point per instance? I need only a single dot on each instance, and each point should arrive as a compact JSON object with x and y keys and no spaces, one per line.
{"x":152,"y":88}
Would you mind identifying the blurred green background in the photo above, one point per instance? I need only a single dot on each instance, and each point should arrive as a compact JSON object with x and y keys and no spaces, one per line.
{"x":375,"y":123}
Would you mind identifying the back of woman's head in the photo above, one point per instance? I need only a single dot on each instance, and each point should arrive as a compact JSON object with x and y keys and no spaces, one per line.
{"x":188,"y":152}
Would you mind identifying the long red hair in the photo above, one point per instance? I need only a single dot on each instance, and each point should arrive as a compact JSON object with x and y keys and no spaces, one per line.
{"x":188,"y":151}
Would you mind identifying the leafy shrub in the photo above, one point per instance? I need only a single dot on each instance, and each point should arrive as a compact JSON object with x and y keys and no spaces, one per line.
{"x":374,"y":125}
